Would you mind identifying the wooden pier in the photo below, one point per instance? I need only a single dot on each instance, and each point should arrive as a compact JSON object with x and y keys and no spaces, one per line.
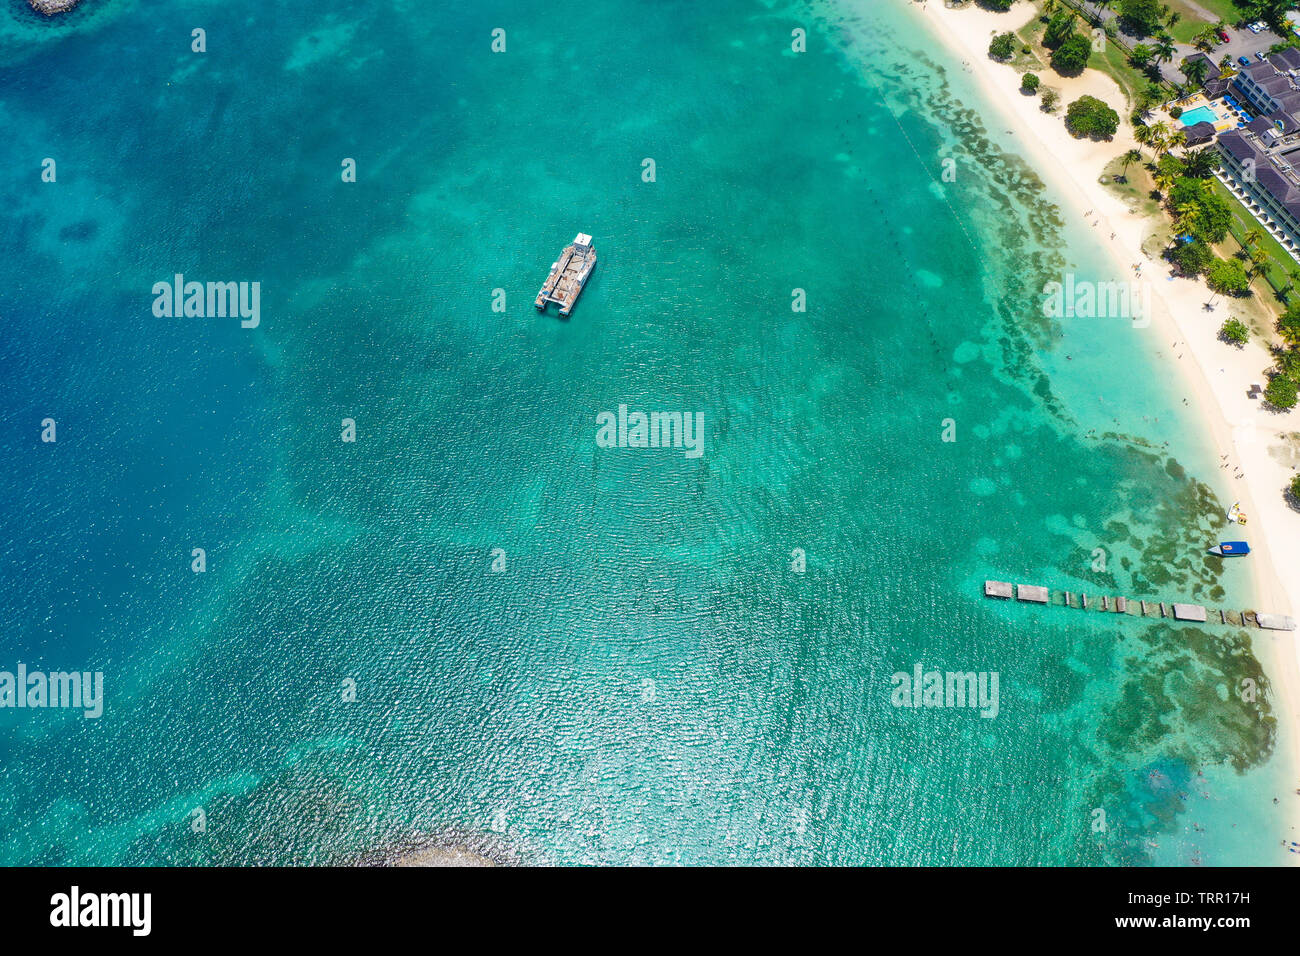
{"x":1032,"y":593}
{"x":1188,"y":613}
{"x":997,"y":589}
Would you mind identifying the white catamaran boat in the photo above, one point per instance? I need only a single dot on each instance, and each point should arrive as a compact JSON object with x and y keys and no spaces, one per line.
{"x":568,"y":275}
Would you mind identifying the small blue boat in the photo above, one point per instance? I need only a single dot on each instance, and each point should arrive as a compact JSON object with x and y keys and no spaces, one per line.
{"x":1231,"y":549}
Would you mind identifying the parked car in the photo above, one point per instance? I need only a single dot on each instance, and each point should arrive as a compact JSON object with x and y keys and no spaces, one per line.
{"x":1258,"y":55}
{"x":1244,"y":60}
{"x":1256,"y":26}
{"x":1223,"y":36}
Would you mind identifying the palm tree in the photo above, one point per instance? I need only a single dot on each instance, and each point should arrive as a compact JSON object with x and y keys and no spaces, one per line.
{"x":1159,"y":138}
{"x":1252,"y":238}
{"x":1195,"y":71}
{"x":1164,"y":182}
{"x":1201,"y":163}
{"x":1257,"y":259}
{"x":1164,"y":48}
{"x":1188,"y":214}
{"x":1128,"y":159}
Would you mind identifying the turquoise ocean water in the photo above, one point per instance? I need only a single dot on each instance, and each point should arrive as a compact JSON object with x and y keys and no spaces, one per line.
{"x":648,"y":680}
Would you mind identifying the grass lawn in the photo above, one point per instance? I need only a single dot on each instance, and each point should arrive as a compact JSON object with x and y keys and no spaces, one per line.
{"x":1225,"y":10}
{"x":1114,"y":62}
{"x":1136,"y":190}
{"x":1035,"y":61}
{"x":1185,"y":30}
{"x":1278,"y":266}
{"x":1133,"y":185}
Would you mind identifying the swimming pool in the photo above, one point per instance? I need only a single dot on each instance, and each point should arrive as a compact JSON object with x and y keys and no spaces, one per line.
{"x":1202,"y":114}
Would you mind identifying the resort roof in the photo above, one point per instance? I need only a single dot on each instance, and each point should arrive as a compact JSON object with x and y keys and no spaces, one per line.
{"x":1260,"y":125}
{"x":1260,"y":70}
{"x":1279,"y":188}
{"x":1284,"y":119}
{"x":1287,"y":59}
{"x":1239,"y":147}
{"x":1237,"y":144}
{"x":1277,"y":83}
{"x":1216,"y":86}
{"x":1198,"y":133}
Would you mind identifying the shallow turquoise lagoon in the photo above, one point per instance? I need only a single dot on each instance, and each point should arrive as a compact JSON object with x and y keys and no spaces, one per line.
{"x":474,"y":624}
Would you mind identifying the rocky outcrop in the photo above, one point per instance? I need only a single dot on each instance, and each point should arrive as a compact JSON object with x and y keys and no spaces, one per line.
{"x":51,"y":7}
{"x":443,"y":856}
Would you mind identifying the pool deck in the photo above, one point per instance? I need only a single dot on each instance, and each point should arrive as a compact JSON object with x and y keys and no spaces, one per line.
{"x":1203,"y":109}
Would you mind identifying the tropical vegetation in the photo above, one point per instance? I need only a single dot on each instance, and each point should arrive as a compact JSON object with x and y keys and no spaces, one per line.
{"x":1003,"y":46}
{"x":1234,"y":331}
{"x":1091,"y":117}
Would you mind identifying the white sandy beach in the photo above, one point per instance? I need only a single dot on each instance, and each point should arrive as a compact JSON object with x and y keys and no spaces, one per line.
{"x":1214,"y":376}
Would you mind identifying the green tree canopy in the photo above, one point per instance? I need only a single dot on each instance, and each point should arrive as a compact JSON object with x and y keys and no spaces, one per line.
{"x":1213,"y":214}
{"x":1144,"y":16}
{"x":1192,"y":258}
{"x":1059,"y":29}
{"x":1089,"y":116}
{"x":1228,"y":277}
{"x":1289,"y":323}
{"x":1234,"y":331}
{"x":1281,"y":392}
{"x":1071,"y":57}
{"x":1003,"y":46}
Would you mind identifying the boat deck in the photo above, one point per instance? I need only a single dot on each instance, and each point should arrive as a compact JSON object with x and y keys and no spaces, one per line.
{"x":568,"y":276}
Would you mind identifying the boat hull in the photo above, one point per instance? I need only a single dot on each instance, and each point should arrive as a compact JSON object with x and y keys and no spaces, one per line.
{"x":568,"y":276}
{"x":1230,"y":549}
